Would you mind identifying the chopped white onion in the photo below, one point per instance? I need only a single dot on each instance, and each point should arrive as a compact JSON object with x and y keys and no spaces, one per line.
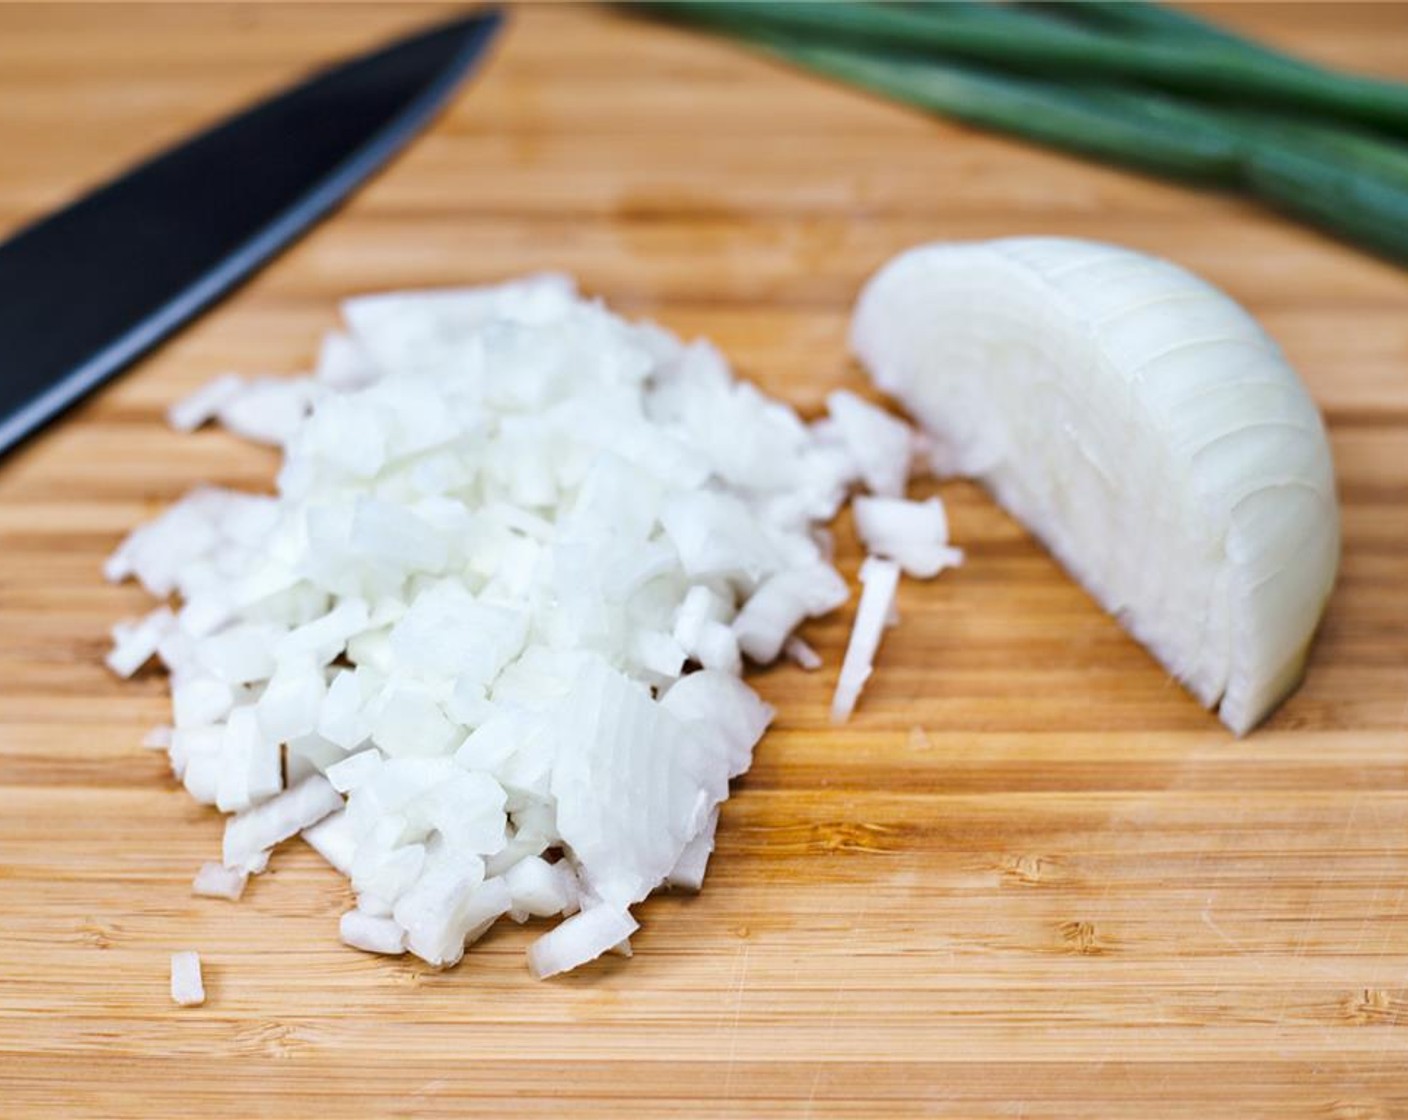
{"x":914,"y":534}
{"x":250,"y":768}
{"x":782,"y":603}
{"x":215,"y":880}
{"x":490,"y":629}
{"x":878,"y":442}
{"x":802,"y":654}
{"x":158,"y":738}
{"x":187,"y":988}
{"x":354,"y":770}
{"x":581,"y":938}
{"x":251,"y":835}
{"x":700,"y":605}
{"x":203,"y":405}
{"x":541,"y":889}
{"x":879,"y":581}
{"x":446,"y":905}
{"x":267,"y":410}
{"x":292,"y":700}
{"x":372,"y":934}
{"x":335,"y":840}
{"x":717,"y":648}
{"x":724,"y":710}
{"x":688,"y":872}
{"x":199,"y":701}
{"x":135,"y":642}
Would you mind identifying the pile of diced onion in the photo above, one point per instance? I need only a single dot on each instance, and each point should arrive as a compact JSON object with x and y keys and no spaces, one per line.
{"x":482,"y":650}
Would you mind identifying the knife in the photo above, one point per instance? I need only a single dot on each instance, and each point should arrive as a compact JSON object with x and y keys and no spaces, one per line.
{"x":86,"y":290}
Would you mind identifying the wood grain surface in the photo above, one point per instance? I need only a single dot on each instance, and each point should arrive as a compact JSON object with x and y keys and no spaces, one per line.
{"x":1030,"y":879}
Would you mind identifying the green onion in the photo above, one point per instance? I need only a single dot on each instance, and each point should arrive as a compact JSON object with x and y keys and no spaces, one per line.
{"x":1006,"y":35}
{"x":1044,"y":111}
{"x":1350,"y":182}
{"x":1140,"y":19}
{"x":1365,"y":153}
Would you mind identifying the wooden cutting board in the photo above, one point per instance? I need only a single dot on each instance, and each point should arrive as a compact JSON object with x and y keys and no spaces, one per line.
{"x":1031,"y":878}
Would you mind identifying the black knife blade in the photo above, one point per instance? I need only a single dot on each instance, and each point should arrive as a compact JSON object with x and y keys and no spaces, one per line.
{"x":86,"y":290}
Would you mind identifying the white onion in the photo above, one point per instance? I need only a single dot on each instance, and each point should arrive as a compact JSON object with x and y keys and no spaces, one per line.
{"x":187,"y":988}
{"x":876,"y":441}
{"x":203,"y":405}
{"x":688,"y":872}
{"x":717,"y":648}
{"x":240,"y":654}
{"x":250,"y":835}
{"x":725,"y":711}
{"x":199,"y":701}
{"x":250,"y":768}
{"x":335,"y":840}
{"x":135,"y":642}
{"x":158,"y":738}
{"x":1143,"y":426}
{"x":631,"y":783}
{"x":541,"y":889}
{"x":780,"y":605}
{"x":879,"y":580}
{"x":914,"y":534}
{"x":581,"y":938}
{"x":215,"y":880}
{"x":354,"y":770}
{"x":699,"y":606}
{"x":445,"y":906}
{"x":267,"y":410}
{"x":372,"y":934}
{"x":494,"y":618}
{"x":802,"y":654}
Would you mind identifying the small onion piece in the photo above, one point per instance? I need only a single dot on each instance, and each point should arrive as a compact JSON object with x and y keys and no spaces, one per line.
{"x":688,"y":872}
{"x":203,"y":405}
{"x":335,"y":840}
{"x":539,"y":888}
{"x":581,"y":938}
{"x":135,"y":643}
{"x":158,"y":738}
{"x":372,"y":934}
{"x":215,"y":880}
{"x":251,"y":835}
{"x":879,"y":580}
{"x":802,"y":654}
{"x":187,"y":987}
{"x":914,"y":534}
{"x":780,"y":605}
{"x":878,"y":442}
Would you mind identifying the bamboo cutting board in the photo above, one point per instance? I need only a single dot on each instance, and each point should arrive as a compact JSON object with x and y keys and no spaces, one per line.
{"x":1031,"y":878}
